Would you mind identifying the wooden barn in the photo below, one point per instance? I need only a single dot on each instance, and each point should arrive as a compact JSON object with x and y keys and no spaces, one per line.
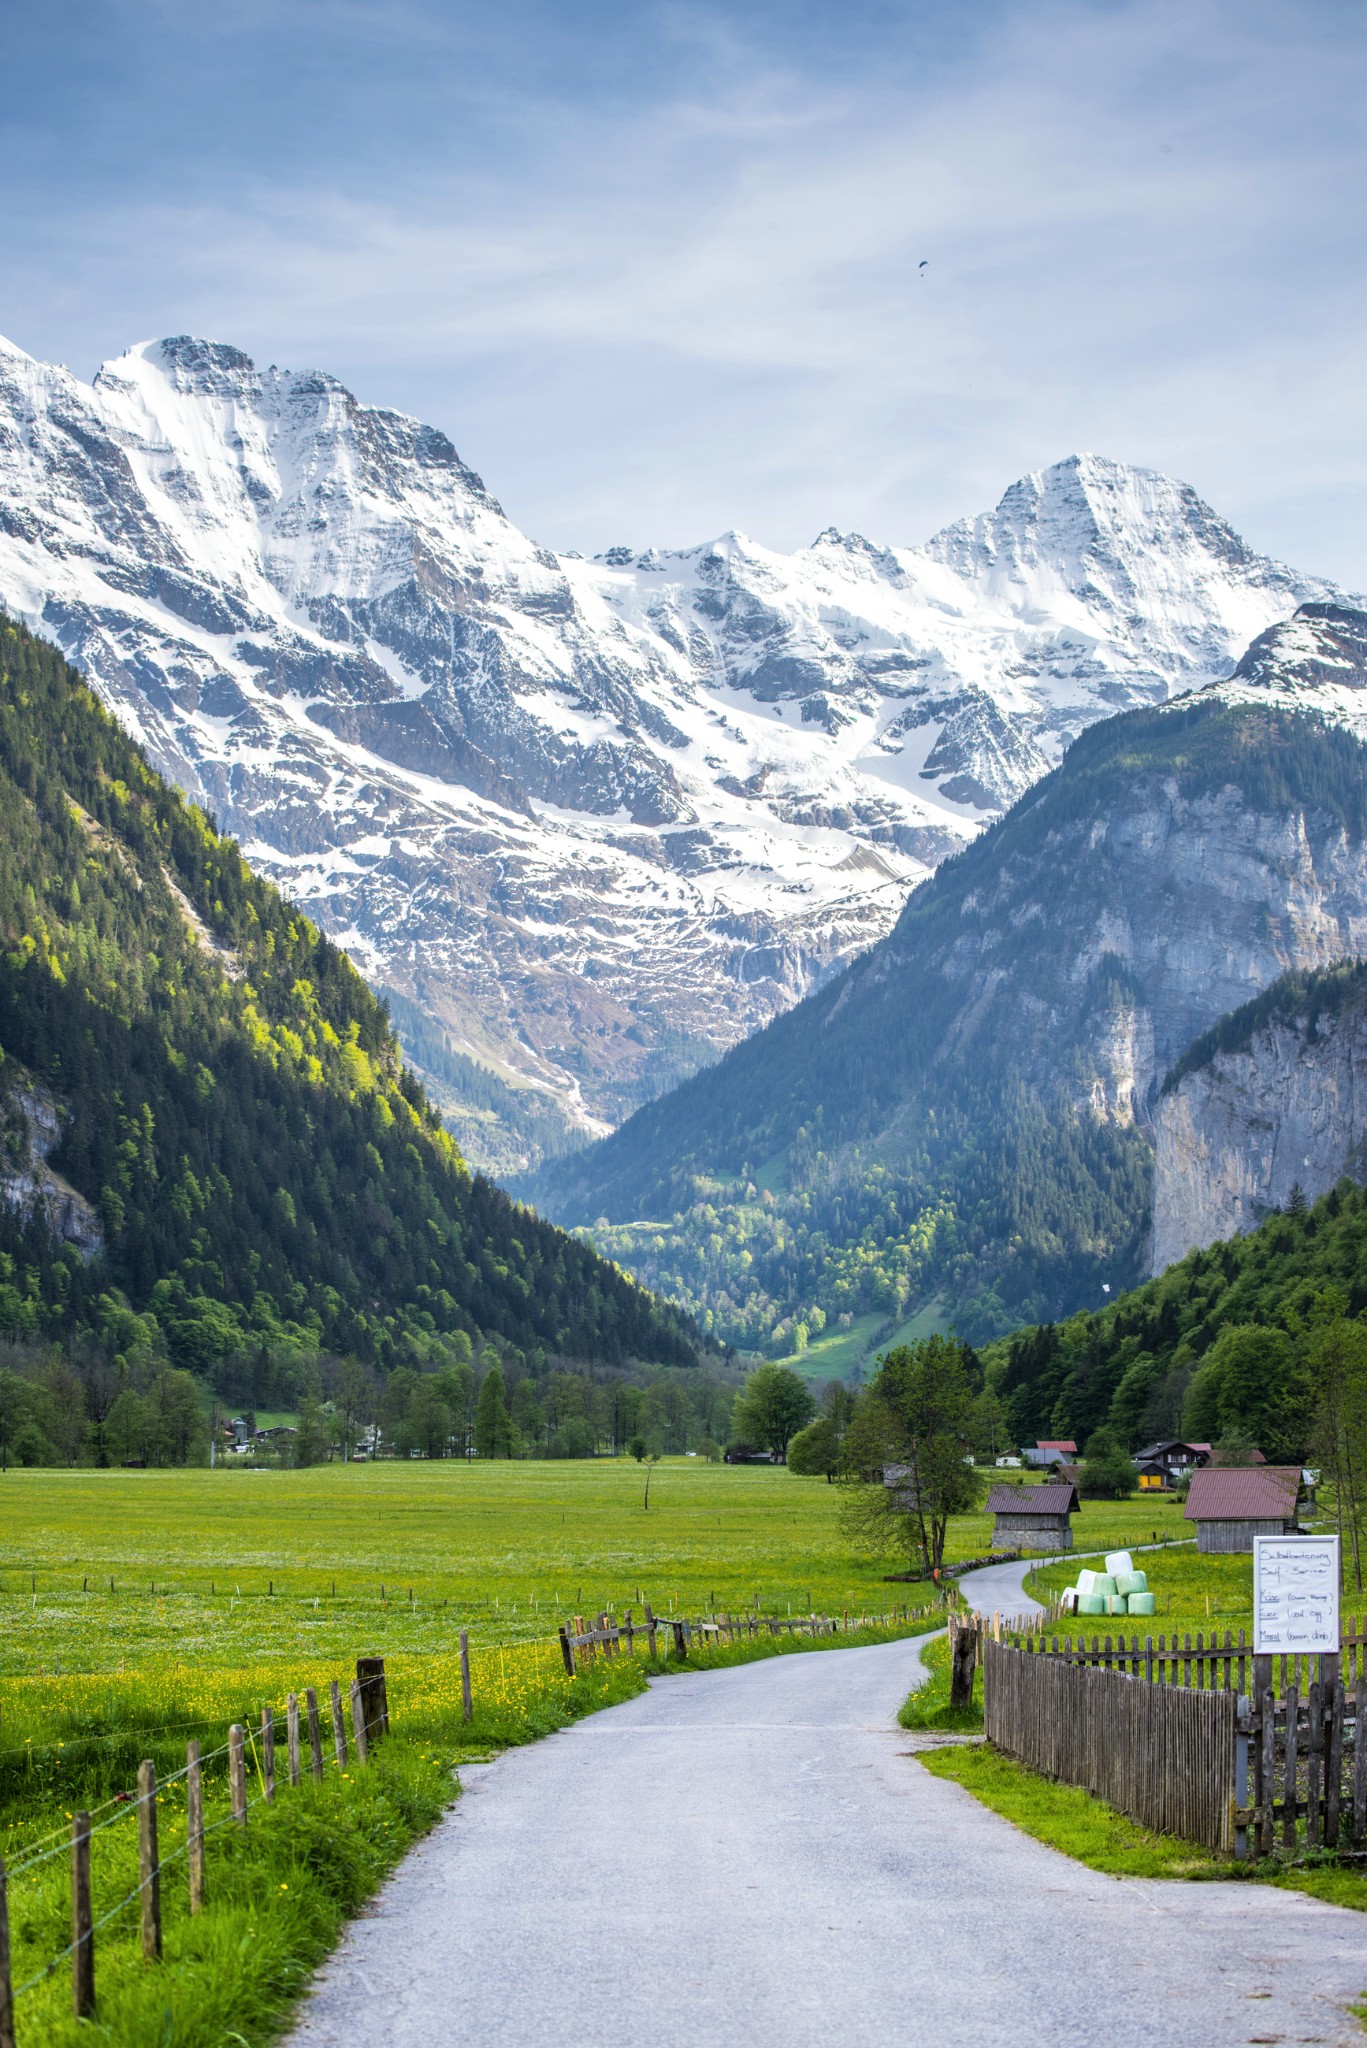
{"x":1231,"y":1504}
{"x":1033,"y":1517}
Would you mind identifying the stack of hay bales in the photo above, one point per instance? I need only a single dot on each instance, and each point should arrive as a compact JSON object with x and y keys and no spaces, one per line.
{"x":1120,"y":1589}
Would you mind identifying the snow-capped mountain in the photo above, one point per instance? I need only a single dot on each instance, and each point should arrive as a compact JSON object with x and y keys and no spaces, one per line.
{"x":589,"y":821}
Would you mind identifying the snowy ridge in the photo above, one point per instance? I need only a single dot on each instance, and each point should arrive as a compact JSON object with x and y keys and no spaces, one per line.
{"x":595,"y":819}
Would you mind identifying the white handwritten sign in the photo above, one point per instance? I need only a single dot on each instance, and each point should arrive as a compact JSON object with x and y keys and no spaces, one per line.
{"x":1295,"y":1594}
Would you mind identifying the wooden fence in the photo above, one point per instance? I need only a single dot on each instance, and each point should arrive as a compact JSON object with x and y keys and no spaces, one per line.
{"x":1162,"y":1754}
{"x":676,"y":1633}
{"x":1295,"y":1769}
{"x":1206,"y":1663}
{"x":302,"y":1729}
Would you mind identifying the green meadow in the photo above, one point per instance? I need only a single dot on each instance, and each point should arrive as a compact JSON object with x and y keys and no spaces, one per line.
{"x":103,"y":1571}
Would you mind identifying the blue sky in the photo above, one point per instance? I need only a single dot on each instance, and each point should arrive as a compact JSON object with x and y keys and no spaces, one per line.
{"x":656,"y":268}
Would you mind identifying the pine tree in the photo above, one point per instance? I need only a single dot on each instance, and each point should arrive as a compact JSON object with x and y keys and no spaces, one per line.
{"x":493,"y":1423}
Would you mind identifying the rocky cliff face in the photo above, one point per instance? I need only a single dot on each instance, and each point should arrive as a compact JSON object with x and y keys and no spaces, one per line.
{"x":1281,"y":1105}
{"x":969,"y":1105}
{"x":590,"y":821}
{"x":30,"y":1131}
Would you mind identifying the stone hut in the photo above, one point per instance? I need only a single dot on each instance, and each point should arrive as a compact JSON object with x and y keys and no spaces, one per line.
{"x":1231,"y":1504}
{"x":1033,"y":1517}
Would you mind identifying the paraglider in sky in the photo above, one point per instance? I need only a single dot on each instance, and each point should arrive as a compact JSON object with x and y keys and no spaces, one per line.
{"x":922,"y":264}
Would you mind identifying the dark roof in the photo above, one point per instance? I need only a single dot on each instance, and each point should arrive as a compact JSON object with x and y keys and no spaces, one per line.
{"x":1243,"y":1493}
{"x":1173,"y":1443}
{"x":1055,"y":1497}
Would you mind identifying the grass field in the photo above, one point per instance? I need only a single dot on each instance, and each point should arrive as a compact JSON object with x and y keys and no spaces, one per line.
{"x":232,"y":1588}
{"x":232,"y":1567}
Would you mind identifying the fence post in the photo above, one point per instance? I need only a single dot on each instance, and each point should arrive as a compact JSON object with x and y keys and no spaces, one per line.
{"x":6,"y":1982}
{"x":374,"y":1699}
{"x":358,"y":1723}
{"x":1333,"y":1782}
{"x":680,"y":1645}
{"x":237,"y":1773}
{"x":338,"y":1725}
{"x":566,"y":1650}
{"x":292,"y":1734}
{"x":467,"y":1700}
{"x":82,"y":1927}
{"x":1244,"y":1711}
{"x":315,"y":1735}
{"x":149,"y":1865}
{"x":964,"y":1662}
{"x":268,"y":1752}
{"x":194,"y":1825}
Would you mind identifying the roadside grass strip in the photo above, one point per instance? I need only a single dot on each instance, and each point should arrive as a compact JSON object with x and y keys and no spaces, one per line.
{"x":280,"y":1889}
{"x":1091,"y":1832}
{"x":928,"y":1707}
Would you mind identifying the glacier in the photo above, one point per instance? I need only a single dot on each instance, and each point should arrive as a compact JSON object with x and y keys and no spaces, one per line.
{"x":587,"y":821}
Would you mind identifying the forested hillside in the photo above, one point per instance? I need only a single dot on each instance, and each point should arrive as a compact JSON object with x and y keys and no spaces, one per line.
{"x":960,"y":1116}
{"x":1217,"y":1346}
{"x":227,"y":1097}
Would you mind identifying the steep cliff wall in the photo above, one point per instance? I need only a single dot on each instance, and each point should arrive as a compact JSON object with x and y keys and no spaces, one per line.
{"x":1274,"y":1099}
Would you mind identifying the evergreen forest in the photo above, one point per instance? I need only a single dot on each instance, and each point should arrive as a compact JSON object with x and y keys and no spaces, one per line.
{"x":1222,"y":1346}
{"x":917,"y":1133}
{"x":214,"y":1159}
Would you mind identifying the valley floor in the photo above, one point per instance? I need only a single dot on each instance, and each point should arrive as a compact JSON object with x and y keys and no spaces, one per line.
{"x":753,"y":1857}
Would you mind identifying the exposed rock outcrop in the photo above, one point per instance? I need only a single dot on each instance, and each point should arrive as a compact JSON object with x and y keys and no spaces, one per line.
{"x":1274,"y":1100}
{"x":30,"y":1131}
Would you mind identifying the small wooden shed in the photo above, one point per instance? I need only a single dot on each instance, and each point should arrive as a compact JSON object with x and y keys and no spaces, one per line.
{"x":1033,"y":1517}
{"x":1231,"y":1504}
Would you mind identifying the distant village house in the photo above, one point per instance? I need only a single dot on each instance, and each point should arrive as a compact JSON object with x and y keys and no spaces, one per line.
{"x":1033,"y":1517}
{"x":1231,"y":1504}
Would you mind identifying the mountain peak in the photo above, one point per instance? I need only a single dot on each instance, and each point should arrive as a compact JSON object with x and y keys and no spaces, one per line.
{"x":1319,"y":653}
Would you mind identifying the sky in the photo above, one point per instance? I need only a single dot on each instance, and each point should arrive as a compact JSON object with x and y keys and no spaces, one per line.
{"x":660,"y":270}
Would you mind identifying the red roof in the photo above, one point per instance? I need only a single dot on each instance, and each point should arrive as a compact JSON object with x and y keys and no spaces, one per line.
{"x":1243,"y":1493}
{"x":1055,"y":1443}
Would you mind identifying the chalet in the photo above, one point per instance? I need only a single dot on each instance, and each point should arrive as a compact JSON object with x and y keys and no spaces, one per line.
{"x":1231,"y":1504}
{"x":1165,"y":1463}
{"x":1033,"y":1517}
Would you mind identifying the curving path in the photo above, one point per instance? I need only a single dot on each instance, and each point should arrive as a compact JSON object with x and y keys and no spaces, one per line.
{"x":752,"y":1858}
{"x":1000,"y":1589}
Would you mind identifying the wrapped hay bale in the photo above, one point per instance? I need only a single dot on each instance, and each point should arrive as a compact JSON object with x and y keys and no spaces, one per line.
{"x":1116,"y":1603}
{"x":1118,"y":1561}
{"x":1102,"y":1583}
{"x":1091,"y":1603}
{"x":1086,"y":1582}
{"x":1141,"y":1603}
{"x":1131,"y":1582}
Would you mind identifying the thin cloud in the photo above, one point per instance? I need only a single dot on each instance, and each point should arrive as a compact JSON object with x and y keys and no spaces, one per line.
{"x":702,"y":305}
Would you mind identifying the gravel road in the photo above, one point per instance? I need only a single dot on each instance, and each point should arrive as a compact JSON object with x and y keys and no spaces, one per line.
{"x":751,"y":1858}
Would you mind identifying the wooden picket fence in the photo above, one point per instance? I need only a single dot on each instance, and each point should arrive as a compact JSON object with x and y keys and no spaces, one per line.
{"x":301,"y":1724}
{"x":612,"y":1637}
{"x":1247,"y":1754}
{"x":1162,"y":1754}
